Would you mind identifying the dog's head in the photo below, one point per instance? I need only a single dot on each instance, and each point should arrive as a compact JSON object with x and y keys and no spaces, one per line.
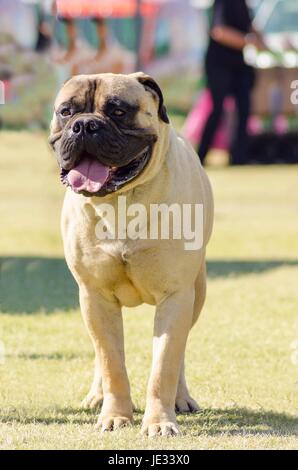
{"x":109,"y":131}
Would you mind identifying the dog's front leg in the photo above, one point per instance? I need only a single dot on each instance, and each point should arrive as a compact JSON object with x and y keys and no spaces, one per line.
{"x":171,"y":327}
{"x":103,"y":319}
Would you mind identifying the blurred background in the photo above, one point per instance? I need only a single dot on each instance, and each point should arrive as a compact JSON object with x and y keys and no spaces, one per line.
{"x":43,"y":42}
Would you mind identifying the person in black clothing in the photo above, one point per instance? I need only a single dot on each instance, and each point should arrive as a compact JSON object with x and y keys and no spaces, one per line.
{"x":228,"y":74}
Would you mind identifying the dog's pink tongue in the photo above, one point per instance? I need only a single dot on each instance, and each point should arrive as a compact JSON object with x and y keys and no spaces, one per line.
{"x":89,"y":175}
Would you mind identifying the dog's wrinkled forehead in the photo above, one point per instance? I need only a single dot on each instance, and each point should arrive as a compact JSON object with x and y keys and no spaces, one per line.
{"x":76,"y":89}
{"x":93,"y":91}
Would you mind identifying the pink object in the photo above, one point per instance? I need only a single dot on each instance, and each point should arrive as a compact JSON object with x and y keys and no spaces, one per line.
{"x":89,"y":175}
{"x":7,"y":90}
{"x":196,"y":120}
{"x":255,"y":125}
{"x":281,"y":125}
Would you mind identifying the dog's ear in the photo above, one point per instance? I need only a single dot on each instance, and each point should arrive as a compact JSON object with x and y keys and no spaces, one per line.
{"x":150,"y":84}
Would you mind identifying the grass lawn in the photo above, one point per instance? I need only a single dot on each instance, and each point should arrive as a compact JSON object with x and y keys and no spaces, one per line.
{"x":239,"y":354}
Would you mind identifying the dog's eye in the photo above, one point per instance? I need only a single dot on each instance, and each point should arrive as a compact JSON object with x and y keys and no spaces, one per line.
{"x":118,"y":112}
{"x":65,"y":112}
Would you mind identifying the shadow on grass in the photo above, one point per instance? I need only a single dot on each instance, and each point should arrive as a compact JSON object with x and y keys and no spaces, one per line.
{"x":29,"y":285}
{"x":55,"y":356}
{"x":237,"y":421}
{"x":50,"y":416}
{"x":34,"y":284}
{"x":225,"y":268}
{"x":211,"y":422}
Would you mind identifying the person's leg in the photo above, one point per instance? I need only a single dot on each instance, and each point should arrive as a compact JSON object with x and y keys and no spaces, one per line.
{"x":218,"y":84}
{"x":241,"y":91}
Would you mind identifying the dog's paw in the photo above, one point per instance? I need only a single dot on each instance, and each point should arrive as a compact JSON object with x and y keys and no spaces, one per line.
{"x":112,"y":423}
{"x":92,"y":400}
{"x":186,"y":404}
{"x":164,"y":428}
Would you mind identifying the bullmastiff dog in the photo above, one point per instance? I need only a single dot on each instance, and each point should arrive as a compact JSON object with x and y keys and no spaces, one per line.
{"x":112,"y":137}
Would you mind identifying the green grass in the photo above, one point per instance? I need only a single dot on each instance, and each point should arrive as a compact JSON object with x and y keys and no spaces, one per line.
{"x":239,"y":354}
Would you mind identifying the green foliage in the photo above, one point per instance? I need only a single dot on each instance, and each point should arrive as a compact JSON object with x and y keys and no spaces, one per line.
{"x":33,"y":85}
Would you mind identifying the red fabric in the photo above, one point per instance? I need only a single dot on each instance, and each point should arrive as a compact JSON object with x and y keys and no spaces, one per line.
{"x":106,"y":8}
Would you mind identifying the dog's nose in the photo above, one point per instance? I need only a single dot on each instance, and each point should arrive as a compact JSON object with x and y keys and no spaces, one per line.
{"x":91,"y":126}
{"x":78,"y":126}
{"x":87,"y":125}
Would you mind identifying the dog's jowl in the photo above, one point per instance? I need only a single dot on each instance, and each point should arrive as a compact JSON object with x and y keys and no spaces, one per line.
{"x":112,"y":137}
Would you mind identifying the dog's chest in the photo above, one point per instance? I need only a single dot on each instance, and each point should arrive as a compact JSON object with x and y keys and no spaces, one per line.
{"x":123,"y":269}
